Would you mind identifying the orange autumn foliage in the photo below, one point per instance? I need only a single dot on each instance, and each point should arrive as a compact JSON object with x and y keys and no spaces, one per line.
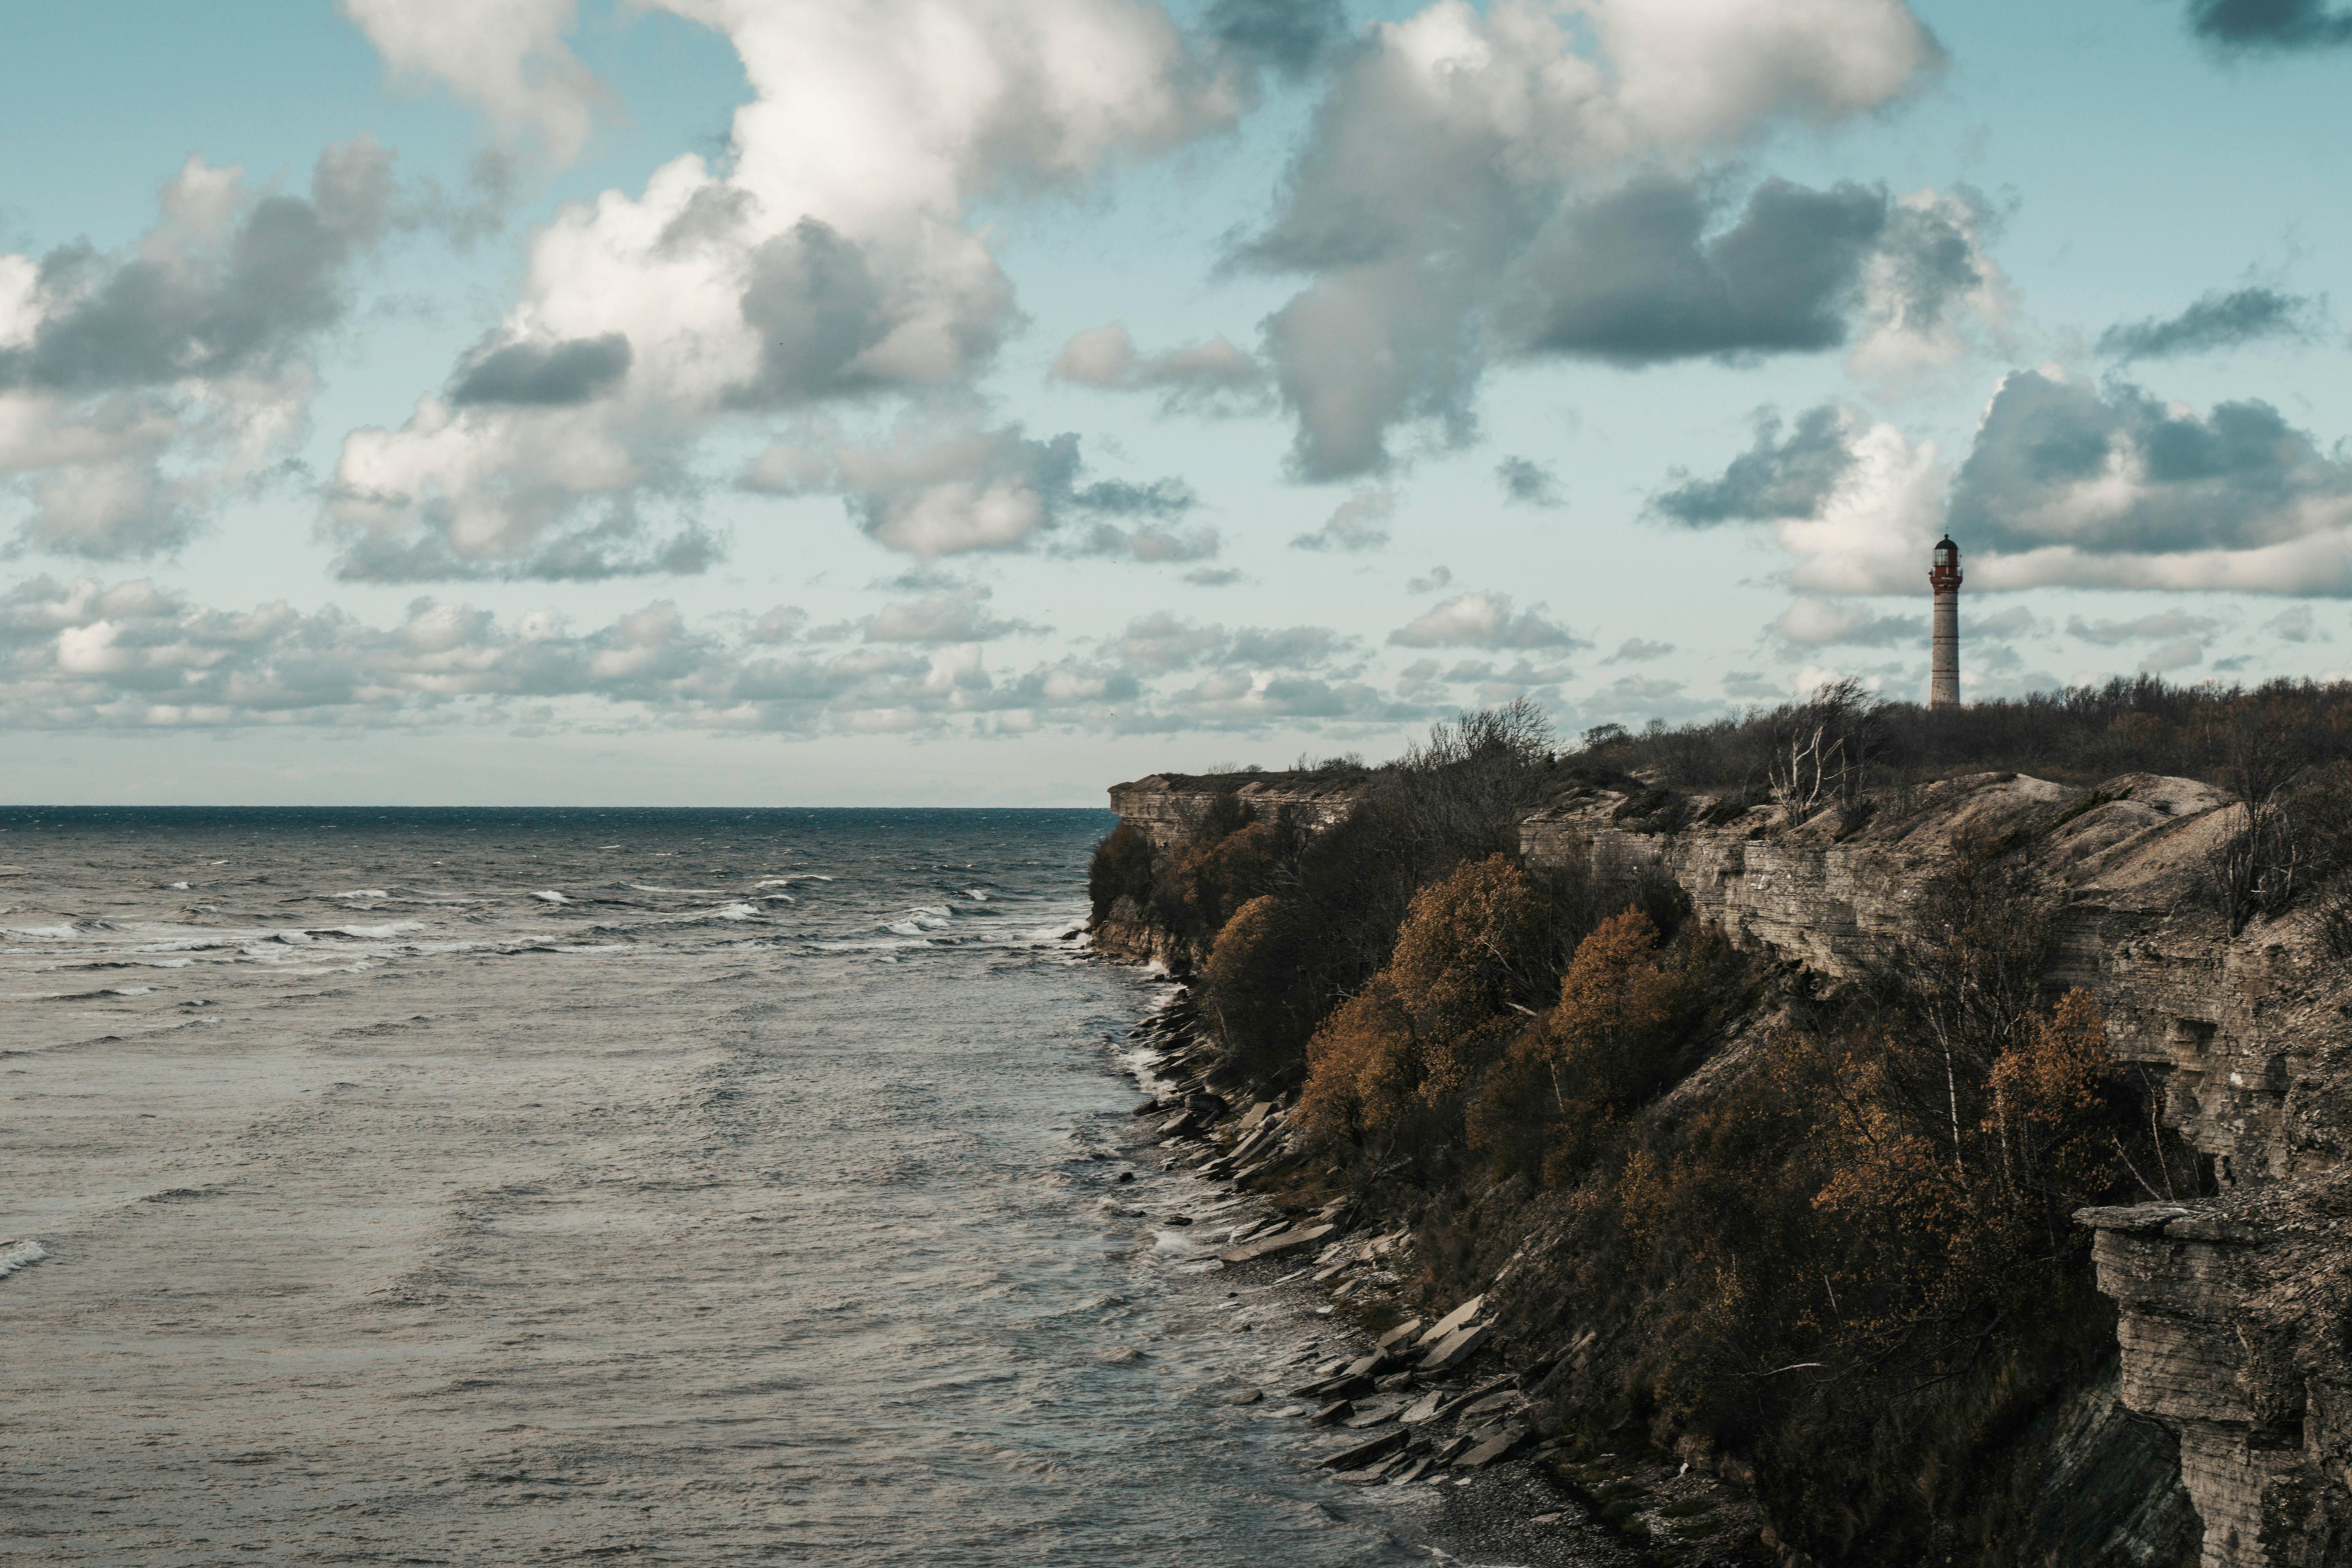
{"x":1438,"y":1010}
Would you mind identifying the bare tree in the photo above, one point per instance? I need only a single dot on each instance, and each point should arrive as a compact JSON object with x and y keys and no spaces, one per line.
{"x":1822,"y":748}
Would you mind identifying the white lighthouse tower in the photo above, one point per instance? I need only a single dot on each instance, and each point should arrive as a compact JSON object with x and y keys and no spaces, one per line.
{"x":1944,"y":577}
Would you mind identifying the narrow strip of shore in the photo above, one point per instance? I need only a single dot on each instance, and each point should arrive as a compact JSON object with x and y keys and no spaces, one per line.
{"x":1386,"y":1392}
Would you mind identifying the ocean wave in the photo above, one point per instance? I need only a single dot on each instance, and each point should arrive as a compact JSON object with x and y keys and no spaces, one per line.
{"x":65,"y":932}
{"x":362,"y":893}
{"x":736,"y":913}
{"x":976,"y":893}
{"x":650,"y":888}
{"x":922,"y":919}
{"x":15,"y":1255}
{"x":550,"y":896}
{"x":376,"y":933}
{"x":175,"y":887}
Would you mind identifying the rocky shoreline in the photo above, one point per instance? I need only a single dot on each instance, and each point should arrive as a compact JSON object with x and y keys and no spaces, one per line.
{"x":1396,"y":1392}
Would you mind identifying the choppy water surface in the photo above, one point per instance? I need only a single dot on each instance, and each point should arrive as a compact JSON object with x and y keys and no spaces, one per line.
{"x":481,"y":1186}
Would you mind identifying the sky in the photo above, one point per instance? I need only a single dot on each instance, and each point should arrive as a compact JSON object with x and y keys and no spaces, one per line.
{"x":981,"y":402}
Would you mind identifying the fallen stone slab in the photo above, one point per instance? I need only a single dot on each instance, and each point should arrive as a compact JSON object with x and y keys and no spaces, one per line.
{"x":1342,"y":1388}
{"x":1451,"y":1451}
{"x":1500,"y":1403}
{"x":1370,"y":1473}
{"x":1281,"y":1244}
{"x":1453,"y":1350}
{"x":1459,"y":1403}
{"x":1414,"y":1471}
{"x":1502,"y":1446}
{"x":1423,"y":1408}
{"x":1332,"y":1414}
{"x":1452,"y":1321}
{"x":1398,"y":1334}
{"x":1363,"y":1454}
{"x":1372,"y":1412}
{"x":1245,"y":1396}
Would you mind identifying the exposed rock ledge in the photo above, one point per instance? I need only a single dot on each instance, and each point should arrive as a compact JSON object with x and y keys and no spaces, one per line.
{"x":2236,"y":1308}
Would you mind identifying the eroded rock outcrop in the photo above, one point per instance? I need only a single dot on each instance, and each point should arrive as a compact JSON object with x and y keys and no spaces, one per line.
{"x":2235,"y":1303}
{"x":2235,"y":1300}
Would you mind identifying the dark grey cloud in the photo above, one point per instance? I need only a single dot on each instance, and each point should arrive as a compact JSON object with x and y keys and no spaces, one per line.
{"x":1527,"y":482}
{"x":817,"y":308}
{"x":939,"y":491}
{"x":547,"y":375}
{"x":1370,"y":347}
{"x":1773,"y":478}
{"x":619,"y":545}
{"x":1289,"y":36}
{"x":2270,"y":25}
{"x":2241,"y":478}
{"x":194,"y":309}
{"x":1646,"y":274}
{"x":2217,"y":320}
{"x":1639,"y":650}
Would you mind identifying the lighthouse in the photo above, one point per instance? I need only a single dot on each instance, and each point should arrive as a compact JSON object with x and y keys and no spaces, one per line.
{"x":1944,"y":577}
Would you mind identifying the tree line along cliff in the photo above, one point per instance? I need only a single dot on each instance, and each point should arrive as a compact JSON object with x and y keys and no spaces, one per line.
{"x":1950,"y":1151}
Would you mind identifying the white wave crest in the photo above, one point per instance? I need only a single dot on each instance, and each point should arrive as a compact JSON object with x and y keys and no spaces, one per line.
{"x":15,"y":1255}
{"x":363,"y":893}
{"x":50,"y":933}
{"x":377,"y":933}
{"x":550,"y":896}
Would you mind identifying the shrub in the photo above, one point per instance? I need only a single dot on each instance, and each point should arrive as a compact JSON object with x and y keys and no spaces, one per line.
{"x":1121,"y":868}
{"x":1471,"y":947}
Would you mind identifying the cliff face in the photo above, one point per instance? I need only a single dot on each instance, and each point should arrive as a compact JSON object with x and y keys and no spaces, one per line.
{"x":1166,"y":808}
{"x":2235,"y":1303}
{"x":2233,"y":1306}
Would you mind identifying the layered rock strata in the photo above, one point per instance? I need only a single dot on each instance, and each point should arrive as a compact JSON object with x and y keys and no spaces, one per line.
{"x":2236,"y":1301}
{"x":2232,"y":1305}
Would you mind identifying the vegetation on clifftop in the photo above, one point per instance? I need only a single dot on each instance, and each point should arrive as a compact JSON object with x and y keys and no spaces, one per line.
{"x":1827,"y":1235}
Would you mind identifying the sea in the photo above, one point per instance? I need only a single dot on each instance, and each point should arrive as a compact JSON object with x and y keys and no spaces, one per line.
{"x":489,"y":1186}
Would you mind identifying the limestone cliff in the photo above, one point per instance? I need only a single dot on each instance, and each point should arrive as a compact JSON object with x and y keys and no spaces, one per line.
{"x":2233,"y":1304}
{"x":2235,"y":1299}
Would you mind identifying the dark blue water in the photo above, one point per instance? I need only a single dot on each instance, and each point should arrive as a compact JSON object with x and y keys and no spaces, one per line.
{"x":675,"y":1186}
